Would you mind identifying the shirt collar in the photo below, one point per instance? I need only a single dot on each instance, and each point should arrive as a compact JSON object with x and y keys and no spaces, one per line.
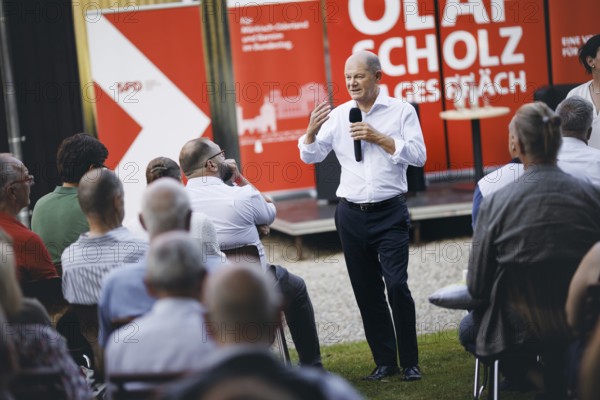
{"x":382,"y":100}
{"x":204,"y":181}
{"x":574,"y":141}
{"x":65,"y":190}
{"x":181,"y":304}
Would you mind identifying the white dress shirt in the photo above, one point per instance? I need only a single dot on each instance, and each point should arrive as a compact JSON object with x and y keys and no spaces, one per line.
{"x":171,"y":337}
{"x":580,"y":160}
{"x":380,"y":175}
{"x":499,"y":178}
{"x":584,"y":91}
{"x":234,"y":210}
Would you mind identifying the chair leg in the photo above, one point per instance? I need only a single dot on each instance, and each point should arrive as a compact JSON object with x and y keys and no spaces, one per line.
{"x":282,"y":345}
{"x":495,"y":379}
{"x":477,"y":388}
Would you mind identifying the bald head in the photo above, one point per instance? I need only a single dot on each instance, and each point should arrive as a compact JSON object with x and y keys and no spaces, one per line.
{"x":370,"y":60}
{"x":194,"y":154}
{"x":242,"y":300}
{"x":165,"y":207}
{"x":100,"y":194}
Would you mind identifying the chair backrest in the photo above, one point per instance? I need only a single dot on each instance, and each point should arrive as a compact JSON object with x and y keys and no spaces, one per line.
{"x":246,"y":255}
{"x":552,"y":95}
{"x":47,"y":291}
{"x":87,"y":315}
{"x":139,"y":386}
{"x":538,"y":294}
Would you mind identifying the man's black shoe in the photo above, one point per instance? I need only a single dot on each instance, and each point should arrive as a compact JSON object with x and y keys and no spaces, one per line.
{"x":382,"y":372}
{"x":411,"y":373}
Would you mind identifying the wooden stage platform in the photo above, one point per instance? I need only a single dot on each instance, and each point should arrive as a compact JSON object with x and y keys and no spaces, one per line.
{"x":306,"y":215}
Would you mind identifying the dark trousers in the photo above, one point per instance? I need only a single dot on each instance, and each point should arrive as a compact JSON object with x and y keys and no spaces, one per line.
{"x":375,"y":246}
{"x":300,"y":316}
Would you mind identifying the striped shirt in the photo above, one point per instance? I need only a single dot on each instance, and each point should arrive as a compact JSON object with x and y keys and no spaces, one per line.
{"x":86,"y":262}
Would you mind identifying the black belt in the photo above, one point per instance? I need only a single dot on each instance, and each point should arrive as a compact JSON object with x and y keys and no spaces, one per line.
{"x":372,"y":206}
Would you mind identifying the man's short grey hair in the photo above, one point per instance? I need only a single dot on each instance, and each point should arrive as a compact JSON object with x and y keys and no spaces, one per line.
{"x":576,"y":115}
{"x":175,"y":263}
{"x":373,"y":63}
{"x":9,"y":170}
{"x":165,"y":206}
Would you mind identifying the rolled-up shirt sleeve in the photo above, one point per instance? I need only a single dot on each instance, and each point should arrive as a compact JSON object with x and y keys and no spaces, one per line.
{"x":410,"y":146}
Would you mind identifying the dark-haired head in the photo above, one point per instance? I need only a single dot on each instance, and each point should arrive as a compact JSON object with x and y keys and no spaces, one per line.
{"x":162,"y":167}
{"x":588,"y":54}
{"x":537,"y":129}
{"x":77,"y":154}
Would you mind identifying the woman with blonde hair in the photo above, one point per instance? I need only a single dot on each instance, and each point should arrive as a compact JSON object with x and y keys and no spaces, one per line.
{"x":546,"y":219}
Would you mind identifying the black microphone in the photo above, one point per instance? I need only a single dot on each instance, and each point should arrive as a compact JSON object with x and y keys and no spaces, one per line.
{"x":356,"y":116}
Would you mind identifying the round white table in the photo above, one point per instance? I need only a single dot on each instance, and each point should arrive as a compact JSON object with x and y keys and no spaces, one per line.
{"x":475,"y":115}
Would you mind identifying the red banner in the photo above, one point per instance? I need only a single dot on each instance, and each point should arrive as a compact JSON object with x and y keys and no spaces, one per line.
{"x":403,"y":35}
{"x":493,"y":54}
{"x":279,"y":73}
{"x":147,"y":64}
{"x":568,"y":34}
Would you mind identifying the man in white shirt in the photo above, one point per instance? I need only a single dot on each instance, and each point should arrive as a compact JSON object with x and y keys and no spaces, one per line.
{"x":172,"y":336}
{"x":372,"y":218}
{"x":575,"y":156}
{"x":237,"y":212}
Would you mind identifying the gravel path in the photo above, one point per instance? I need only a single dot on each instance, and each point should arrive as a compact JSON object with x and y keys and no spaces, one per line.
{"x":432,"y":265}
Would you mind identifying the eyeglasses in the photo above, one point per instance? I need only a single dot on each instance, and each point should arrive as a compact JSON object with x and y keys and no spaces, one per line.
{"x":218,"y":154}
{"x":29,"y":179}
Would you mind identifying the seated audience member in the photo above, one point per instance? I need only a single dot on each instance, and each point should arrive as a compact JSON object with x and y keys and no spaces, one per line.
{"x":36,"y":343}
{"x":587,"y":274}
{"x":546,"y":217}
{"x":57,"y":217}
{"x":107,"y":245}
{"x":8,"y":360}
{"x":243,"y":313}
{"x":575,"y":156}
{"x":18,"y":309}
{"x":238,"y":212}
{"x":32,"y":258}
{"x":171,"y":337}
{"x":165,"y":208}
{"x":201,"y":227}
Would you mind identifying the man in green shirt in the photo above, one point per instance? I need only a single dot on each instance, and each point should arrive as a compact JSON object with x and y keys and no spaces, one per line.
{"x":57,"y":217}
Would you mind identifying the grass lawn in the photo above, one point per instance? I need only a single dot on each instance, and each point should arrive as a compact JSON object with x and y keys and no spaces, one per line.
{"x":447,"y":371}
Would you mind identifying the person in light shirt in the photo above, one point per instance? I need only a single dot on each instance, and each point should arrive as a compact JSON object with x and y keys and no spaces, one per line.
{"x":372,"y":218}
{"x":576,"y":157}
